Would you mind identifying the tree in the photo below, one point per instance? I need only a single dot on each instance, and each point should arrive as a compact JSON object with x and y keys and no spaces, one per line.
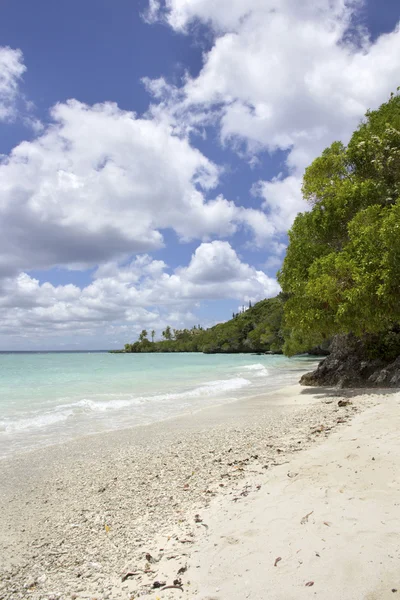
{"x":153,"y":333}
{"x":257,"y":329}
{"x":167,"y":333}
{"x":143,"y":335}
{"x":342,"y":267}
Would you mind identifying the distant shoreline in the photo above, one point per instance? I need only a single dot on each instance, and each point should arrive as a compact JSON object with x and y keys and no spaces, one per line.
{"x":54,"y":351}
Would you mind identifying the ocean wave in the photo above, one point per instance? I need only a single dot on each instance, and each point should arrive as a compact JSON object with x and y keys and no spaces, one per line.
{"x":38,"y":421}
{"x":258,"y":369}
{"x":208,"y":389}
{"x":95,"y":406}
{"x":64,"y":412}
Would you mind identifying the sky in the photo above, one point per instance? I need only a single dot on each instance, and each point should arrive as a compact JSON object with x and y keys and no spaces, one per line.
{"x":152,"y":153}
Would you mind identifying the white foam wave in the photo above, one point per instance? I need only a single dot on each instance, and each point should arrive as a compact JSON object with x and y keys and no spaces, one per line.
{"x":66,"y":411}
{"x":92,"y":405}
{"x":34,"y":422}
{"x":259,"y":370}
{"x":212,"y":388}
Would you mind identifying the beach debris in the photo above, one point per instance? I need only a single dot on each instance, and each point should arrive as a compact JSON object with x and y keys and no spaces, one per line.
{"x":327,"y":523}
{"x":277,"y":560}
{"x":159,"y":584}
{"x":394,"y":590}
{"x":129,"y":574}
{"x":107,"y":528}
{"x":178,"y":582}
{"x":182,"y":570}
{"x":318,"y":429}
{"x":304,"y":520}
{"x":150,"y":559}
{"x":245,"y":492}
{"x":292,"y":475}
{"x":309,"y":583}
{"x":343,"y":403}
{"x":199,"y":520}
{"x":172,"y":587}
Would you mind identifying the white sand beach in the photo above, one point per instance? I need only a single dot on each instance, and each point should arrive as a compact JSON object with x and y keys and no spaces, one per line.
{"x":285,"y":496}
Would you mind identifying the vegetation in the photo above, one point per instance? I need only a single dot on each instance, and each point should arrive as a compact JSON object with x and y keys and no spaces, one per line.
{"x":257,"y":329}
{"x":341,"y":273}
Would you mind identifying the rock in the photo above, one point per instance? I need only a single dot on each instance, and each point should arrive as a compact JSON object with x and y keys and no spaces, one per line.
{"x":352,"y":362}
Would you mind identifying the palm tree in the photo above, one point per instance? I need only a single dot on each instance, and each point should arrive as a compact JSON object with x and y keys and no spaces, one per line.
{"x":167,"y":333}
{"x":153,"y":333}
{"x":143,"y":335}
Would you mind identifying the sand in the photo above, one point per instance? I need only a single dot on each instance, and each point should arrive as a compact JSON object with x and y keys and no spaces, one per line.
{"x":208,"y":503}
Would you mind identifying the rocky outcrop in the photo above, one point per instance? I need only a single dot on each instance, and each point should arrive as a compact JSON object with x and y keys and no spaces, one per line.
{"x":355,"y":362}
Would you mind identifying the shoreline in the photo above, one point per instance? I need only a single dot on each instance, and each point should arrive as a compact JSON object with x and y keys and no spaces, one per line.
{"x":242,"y":394}
{"x":82,"y":514}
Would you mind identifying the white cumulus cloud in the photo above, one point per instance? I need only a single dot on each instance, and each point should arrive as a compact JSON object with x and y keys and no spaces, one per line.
{"x":100,"y":183}
{"x":292,"y":76}
{"x":124,"y":299}
{"x":11,"y":70}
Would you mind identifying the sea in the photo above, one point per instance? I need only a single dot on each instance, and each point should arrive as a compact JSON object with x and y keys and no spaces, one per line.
{"x":51,"y":397}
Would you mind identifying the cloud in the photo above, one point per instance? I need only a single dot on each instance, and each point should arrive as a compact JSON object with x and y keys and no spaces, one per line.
{"x":282,"y":200}
{"x":128,"y":298}
{"x":100,"y":183}
{"x":291,"y":76}
{"x":11,"y":70}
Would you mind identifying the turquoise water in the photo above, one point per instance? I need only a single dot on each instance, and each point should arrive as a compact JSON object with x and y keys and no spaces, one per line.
{"x":49,"y":398}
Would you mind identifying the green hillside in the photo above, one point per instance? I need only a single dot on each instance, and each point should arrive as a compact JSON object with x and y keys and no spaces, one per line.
{"x":257,"y":329}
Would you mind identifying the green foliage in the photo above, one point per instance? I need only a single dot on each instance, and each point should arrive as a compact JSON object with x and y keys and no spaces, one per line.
{"x":384,"y":346}
{"x":167,"y":333}
{"x":342,"y":268}
{"x":143,"y":335}
{"x":258,"y":329}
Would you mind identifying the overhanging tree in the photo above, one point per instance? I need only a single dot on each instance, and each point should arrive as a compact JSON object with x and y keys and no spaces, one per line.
{"x":342,"y":268}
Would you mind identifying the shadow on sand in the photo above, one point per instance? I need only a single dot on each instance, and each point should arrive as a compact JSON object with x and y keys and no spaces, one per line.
{"x":334,"y":392}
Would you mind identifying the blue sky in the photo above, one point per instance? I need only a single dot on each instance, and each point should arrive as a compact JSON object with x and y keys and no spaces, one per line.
{"x":172,"y":204}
